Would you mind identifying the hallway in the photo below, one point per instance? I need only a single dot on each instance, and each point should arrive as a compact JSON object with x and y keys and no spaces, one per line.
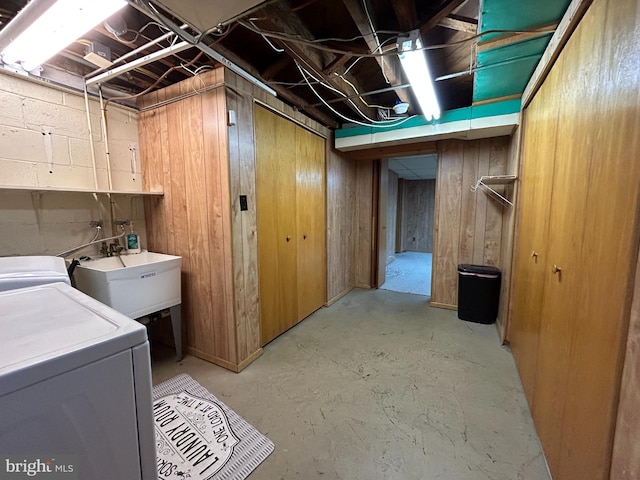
{"x":381,"y":386}
{"x":410,"y":272}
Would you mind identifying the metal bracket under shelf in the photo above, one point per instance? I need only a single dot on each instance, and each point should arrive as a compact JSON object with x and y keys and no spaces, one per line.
{"x":486,"y":180}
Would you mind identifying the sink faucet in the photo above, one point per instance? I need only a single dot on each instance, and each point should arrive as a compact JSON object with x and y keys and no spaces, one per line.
{"x":111,"y":249}
{"x":115,"y":248}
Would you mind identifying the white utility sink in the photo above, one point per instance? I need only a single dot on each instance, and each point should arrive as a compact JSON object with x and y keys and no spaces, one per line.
{"x":136,"y":284}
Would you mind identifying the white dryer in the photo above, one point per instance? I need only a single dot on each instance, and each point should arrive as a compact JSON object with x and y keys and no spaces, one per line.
{"x":75,"y":384}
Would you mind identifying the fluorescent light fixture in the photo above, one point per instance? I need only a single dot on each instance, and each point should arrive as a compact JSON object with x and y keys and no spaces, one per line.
{"x":61,"y":24}
{"x":415,"y":67}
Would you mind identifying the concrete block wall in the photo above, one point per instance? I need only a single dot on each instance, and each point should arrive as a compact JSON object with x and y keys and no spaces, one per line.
{"x":44,"y":142}
{"x":48,"y":223}
{"x":44,"y":139}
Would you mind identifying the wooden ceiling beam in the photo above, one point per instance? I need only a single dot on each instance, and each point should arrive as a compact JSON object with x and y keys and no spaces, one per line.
{"x":276,"y":67}
{"x":337,"y":64}
{"x":446,"y":9}
{"x":282,"y":20}
{"x":282,"y":92}
{"x":406,"y":14}
{"x":459,"y":23}
{"x":389,"y":151}
{"x":390,"y":65}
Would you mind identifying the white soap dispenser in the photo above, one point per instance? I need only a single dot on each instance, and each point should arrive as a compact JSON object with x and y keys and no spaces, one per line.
{"x":133,"y":242}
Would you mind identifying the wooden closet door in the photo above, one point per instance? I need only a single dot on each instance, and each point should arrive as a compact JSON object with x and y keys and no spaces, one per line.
{"x":564,"y":267}
{"x":276,"y":219}
{"x":610,"y":133}
{"x":532,"y":257}
{"x":310,"y":210}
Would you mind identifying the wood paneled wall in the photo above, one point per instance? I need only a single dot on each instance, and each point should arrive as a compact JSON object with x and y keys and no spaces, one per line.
{"x":418,"y":207}
{"x":364,"y":223}
{"x":244,"y":245}
{"x":468,"y":225}
{"x":341,"y":224}
{"x":203,"y":165}
{"x":392,"y":215}
{"x":508,"y":232}
{"x":184,"y":150}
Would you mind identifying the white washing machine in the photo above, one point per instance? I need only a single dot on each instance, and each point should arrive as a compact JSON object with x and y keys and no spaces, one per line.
{"x":75,"y":384}
{"x":29,"y":271}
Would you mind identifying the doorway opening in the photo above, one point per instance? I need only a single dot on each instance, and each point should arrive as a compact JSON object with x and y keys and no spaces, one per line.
{"x":410,"y":208}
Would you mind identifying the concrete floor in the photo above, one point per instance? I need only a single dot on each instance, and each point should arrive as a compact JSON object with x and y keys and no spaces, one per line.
{"x":410,"y":272}
{"x":381,"y":386}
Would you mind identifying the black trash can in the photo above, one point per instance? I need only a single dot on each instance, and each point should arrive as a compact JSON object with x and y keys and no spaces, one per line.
{"x":478,"y":293}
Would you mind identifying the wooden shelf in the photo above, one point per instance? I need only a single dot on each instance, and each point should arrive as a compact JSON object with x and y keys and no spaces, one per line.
{"x":74,"y":190}
{"x":486,"y":180}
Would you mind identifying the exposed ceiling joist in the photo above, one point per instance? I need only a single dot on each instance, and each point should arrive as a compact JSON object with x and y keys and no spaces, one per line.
{"x":280,"y":19}
{"x":339,"y":32}
{"x":284,"y":93}
{"x":459,"y":23}
{"x":389,"y":151}
{"x":389,"y":65}
{"x":275,"y":68}
{"x":339,"y":62}
{"x":406,"y":14}
{"x":447,"y":8}
{"x":511,"y":38}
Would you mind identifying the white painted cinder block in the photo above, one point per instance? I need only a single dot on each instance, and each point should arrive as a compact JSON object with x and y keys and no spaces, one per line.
{"x":126,"y":181}
{"x":21,"y":144}
{"x":76,"y":101}
{"x":122,"y":127}
{"x":16,"y":209}
{"x":11,"y":113}
{"x":120,"y":154}
{"x":64,"y":176}
{"x":23,"y":239}
{"x":42,"y":223}
{"x":35,"y":222}
{"x":60,"y":150}
{"x":70,"y":207}
{"x":18,"y":173}
{"x":80,"y":152}
{"x":30,"y":108}
{"x":29,"y":89}
{"x":62,"y":120}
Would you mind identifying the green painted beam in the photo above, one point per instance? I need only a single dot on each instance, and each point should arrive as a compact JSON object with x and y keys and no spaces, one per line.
{"x":460,"y":114}
{"x":519,"y":14}
{"x":505,"y":71}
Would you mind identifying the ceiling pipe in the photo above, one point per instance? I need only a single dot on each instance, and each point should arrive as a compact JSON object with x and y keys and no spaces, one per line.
{"x":152,"y":57}
{"x":136,"y":51}
{"x":152,"y":12}
{"x":25,"y":17}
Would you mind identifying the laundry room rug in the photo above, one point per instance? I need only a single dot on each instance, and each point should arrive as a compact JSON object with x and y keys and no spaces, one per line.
{"x":199,"y":438}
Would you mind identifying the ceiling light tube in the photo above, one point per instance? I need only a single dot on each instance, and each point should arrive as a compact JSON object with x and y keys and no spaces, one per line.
{"x":415,"y":67}
{"x":61,"y":24}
